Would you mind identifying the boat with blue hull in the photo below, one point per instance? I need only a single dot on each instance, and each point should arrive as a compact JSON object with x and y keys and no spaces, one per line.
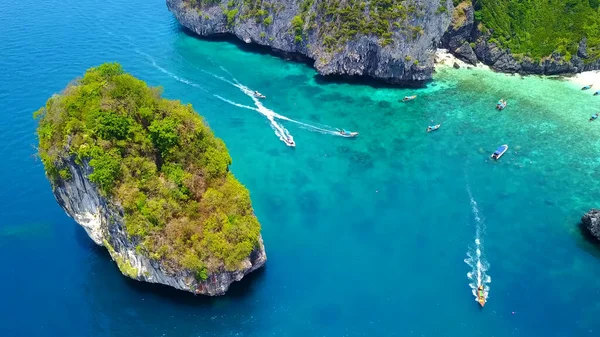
{"x":499,"y":152}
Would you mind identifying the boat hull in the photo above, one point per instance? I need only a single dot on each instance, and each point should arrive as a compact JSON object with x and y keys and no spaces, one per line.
{"x":434,"y":128}
{"x":500,"y":154}
{"x":350,"y":135}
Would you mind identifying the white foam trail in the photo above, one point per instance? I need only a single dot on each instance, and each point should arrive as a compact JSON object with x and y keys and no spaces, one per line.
{"x":235,"y":104}
{"x":280,"y":131}
{"x":475,"y":256}
{"x":268,"y":112}
{"x":165,"y":71}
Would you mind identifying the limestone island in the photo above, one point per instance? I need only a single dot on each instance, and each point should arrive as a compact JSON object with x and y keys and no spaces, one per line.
{"x":147,"y":179}
{"x":591,"y":223}
{"x":395,"y":40}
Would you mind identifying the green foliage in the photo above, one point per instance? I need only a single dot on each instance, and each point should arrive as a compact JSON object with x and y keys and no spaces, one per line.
{"x":110,"y":125}
{"x":65,"y":174}
{"x":442,"y":7}
{"x":164,"y":135}
{"x":541,"y":27}
{"x":107,"y":169}
{"x":339,"y":21}
{"x":124,"y":265}
{"x":230,"y":14}
{"x":298,"y":27}
{"x":159,"y":162}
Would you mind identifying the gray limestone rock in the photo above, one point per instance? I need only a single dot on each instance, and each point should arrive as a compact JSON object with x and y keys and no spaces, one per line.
{"x":406,"y":60}
{"x":103,"y":222}
{"x":591,"y":222}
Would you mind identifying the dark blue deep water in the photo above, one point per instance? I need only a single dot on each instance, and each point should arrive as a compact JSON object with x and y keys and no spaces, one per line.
{"x":364,"y":237}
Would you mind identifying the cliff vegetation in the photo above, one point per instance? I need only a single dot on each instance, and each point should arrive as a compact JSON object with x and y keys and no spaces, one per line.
{"x":157,"y":160}
{"x":390,"y":40}
{"x":537,"y":28}
{"x":335,"y":21}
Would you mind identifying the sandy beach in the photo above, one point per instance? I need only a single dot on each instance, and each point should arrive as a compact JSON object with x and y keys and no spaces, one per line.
{"x":443,"y":58}
{"x":586,"y":78}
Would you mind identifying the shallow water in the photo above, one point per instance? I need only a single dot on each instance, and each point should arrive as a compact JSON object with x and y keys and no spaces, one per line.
{"x":364,"y":237}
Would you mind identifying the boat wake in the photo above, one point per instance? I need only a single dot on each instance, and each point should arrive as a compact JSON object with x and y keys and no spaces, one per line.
{"x":280,"y":131}
{"x":273,"y":117}
{"x":475,"y":257}
{"x":166,"y":72}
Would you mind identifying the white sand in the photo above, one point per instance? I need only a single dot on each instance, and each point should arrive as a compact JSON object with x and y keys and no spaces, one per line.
{"x":443,"y":58}
{"x":586,"y":77}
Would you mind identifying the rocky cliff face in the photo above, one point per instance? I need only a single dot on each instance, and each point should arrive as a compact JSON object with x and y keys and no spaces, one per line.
{"x":103,"y":222}
{"x":591,"y":222}
{"x":464,"y":39}
{"x":407,"y":57}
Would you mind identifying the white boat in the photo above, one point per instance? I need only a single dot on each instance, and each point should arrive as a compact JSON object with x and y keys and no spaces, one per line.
{"x":345,"y":133}
{"x":408,"y":98}
{"x":289,"y":141}
{"x":433,"y":128}
{"x":259,"y":95}
{"x":499,"y":152}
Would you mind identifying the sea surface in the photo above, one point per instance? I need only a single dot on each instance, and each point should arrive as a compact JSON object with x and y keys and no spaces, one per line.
{"x":364,"y":236}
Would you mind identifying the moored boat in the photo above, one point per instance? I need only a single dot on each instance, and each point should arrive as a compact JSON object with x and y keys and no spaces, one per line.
{"x":589,"y":86}
{"x":433,"y":128}
{"x":499,"y":152}
{"x":409,"y":98}
{"x":501,"y":104}
{"x":597,"y":93}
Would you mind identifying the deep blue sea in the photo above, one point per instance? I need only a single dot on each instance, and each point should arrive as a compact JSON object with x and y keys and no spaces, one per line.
{"x":364,"y":236}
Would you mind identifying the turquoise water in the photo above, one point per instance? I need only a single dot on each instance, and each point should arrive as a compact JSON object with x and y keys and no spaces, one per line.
{"x":364,"y":237}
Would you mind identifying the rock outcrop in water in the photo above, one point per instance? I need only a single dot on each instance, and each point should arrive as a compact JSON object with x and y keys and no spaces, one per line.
{"x":148,"y":180}
{"x":591,"y":223}
{"x":396,"y":46}
{"x":104,"y":223}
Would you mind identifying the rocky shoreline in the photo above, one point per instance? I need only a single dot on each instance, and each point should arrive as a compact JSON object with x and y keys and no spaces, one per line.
{"x":464,"y":39}
{"x":591,"y":223}
{"x":405,"y":62}
{"x":104,"y":224}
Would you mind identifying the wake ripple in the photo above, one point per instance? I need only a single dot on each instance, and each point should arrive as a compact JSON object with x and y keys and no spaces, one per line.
{"x":280,"y":131}
{"x":475,"y":255}
{"x":270,"y":114}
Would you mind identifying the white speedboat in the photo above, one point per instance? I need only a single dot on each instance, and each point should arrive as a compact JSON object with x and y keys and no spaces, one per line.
{"x":499,"y":151}
{"x":289,"y":141}
{"x":345,"y":133}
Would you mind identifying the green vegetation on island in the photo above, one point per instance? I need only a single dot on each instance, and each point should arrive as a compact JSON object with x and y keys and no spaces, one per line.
{"x":335,"y":21}
{"x":157,"y":160}
{"x":537,"y":28}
